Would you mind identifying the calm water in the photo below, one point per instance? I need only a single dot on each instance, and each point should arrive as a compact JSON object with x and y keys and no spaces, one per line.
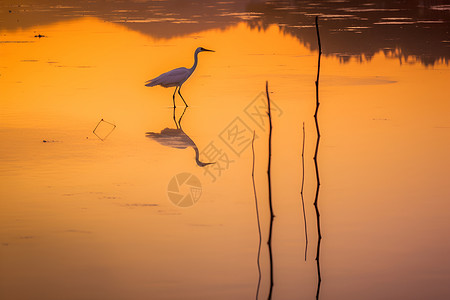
{"x":128,"y":213}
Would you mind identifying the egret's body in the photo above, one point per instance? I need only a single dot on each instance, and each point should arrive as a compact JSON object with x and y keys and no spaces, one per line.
{"x":176,"y":77}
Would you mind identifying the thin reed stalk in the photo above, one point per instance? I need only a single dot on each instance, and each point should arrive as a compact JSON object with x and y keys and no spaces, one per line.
{"x":272,"y":216}
{"x":301,"y":192}
{"x":257,"y":217}
{"x":316,"y":199}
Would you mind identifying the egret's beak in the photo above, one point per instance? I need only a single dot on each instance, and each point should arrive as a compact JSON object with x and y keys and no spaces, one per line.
{"x":208,"y":50}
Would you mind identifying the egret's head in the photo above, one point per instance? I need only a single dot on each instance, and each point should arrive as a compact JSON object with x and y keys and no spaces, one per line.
{"x":200,"y":49}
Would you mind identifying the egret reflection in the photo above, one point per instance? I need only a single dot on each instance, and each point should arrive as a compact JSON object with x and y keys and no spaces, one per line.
{"x":177,"y":138}
{"x":176,"y":77}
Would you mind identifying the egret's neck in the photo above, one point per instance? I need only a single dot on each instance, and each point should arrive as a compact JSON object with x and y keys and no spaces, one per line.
{"x":193,"y":145}
{"x":195,"y":61}
{"x":197,"y":156}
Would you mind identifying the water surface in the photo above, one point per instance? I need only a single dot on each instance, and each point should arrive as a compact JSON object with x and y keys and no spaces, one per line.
{"x":85,"y":218}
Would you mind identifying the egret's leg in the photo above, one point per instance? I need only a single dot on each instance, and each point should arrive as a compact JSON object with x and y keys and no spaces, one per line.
{"x":179,"y":121}
{"x":174,"y":119}
{"x":179,"y":93}
{"x":173,"y":97}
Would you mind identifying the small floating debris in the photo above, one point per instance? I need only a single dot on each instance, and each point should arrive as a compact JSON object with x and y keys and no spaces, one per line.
{"x":49,"y":141}
{"x":103,"y":129}
{"x":15,"y":42}
{"x":140,"y":205}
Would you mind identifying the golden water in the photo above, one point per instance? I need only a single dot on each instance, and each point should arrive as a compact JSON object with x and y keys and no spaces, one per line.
{"x":82,"y":218}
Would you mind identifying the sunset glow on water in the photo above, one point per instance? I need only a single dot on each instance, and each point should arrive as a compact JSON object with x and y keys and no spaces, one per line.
{"x":86,"y":216}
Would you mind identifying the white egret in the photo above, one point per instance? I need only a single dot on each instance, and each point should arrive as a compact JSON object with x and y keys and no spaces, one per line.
{"x":177,"y":138}
{"x":176,"y":77}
